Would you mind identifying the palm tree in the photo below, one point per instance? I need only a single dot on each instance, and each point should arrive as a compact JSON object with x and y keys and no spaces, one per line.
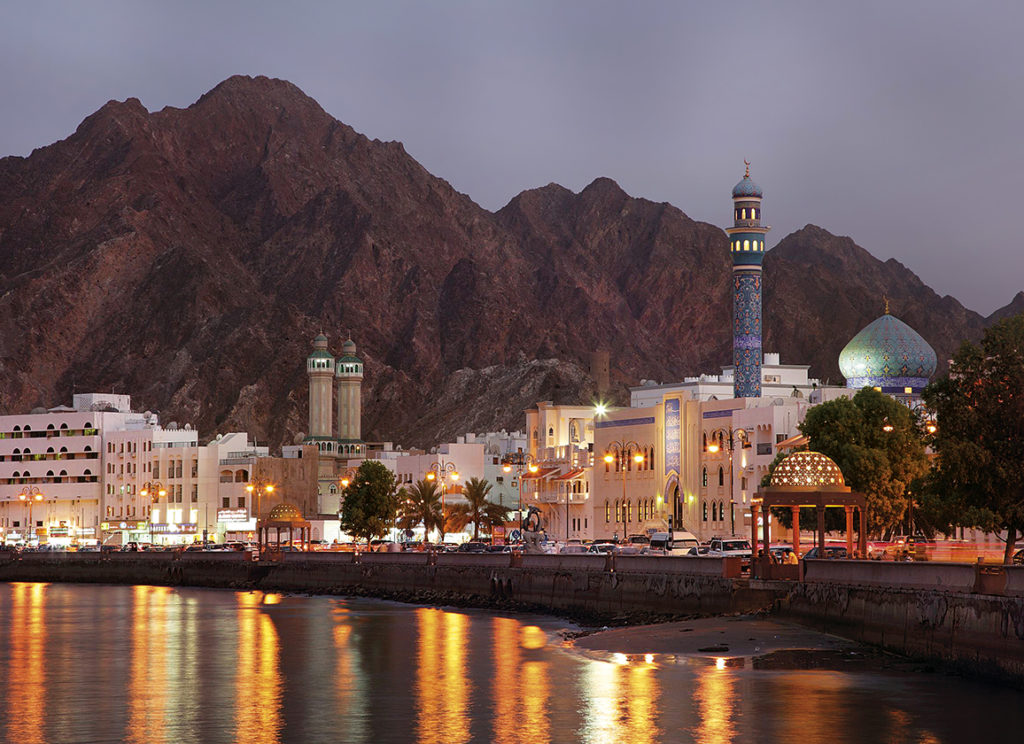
{"x":478,"y":509}
{"x":422,"y":506}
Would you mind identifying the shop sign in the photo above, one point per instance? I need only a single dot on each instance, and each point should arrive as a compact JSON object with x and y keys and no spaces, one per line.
{"x":498,"y":535}
{"x":186,"y":528}
{"x":232,"y":515}
{"x":41,"y":532}
{"x":58,"y":532}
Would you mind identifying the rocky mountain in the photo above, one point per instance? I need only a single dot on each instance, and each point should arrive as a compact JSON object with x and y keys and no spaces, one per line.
{"x":188,"y":256}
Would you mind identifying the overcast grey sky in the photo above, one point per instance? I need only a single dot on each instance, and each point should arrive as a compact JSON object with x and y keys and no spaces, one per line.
{"x":896,"y":123}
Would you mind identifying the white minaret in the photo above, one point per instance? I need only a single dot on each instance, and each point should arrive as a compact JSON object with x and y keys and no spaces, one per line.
{"x":349,"y":375}
{"x":320,"y":368}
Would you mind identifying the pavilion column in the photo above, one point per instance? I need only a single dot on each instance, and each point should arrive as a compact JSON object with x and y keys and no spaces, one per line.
{"x":754,"y":508}
{"x":767,"y":534}
{"x":849,"y":532}
{"x":821,"y":531}
{"x":796,"y":530}
{"x":863,"y":536}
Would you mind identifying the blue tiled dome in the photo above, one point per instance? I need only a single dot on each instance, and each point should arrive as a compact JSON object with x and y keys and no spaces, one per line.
{"x":746,"y":187}
{"x":888,"y":354}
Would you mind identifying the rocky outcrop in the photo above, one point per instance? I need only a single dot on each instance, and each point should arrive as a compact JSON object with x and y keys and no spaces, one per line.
{"x":188,"y":256}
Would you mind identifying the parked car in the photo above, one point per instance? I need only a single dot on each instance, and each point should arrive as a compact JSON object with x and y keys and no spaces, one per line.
{"x":472,"y":547}
{"x":601,"y":548}
{"x":720,"y":547}
{"x":674,"y":543}
{"x":638,"y":540}
{"x":573,"y":549}
{"x":628,"y":549}
{"x":831,"y":551}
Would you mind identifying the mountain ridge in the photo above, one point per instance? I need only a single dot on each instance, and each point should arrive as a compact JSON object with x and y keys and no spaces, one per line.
{"x":188,"y":256}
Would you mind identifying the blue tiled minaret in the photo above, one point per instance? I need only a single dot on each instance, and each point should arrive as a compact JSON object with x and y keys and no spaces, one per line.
{"x":746,"y":244}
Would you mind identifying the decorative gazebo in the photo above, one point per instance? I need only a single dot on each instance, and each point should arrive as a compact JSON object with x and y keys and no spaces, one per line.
{"x":283,"y":517}
{"x":807,"y":479}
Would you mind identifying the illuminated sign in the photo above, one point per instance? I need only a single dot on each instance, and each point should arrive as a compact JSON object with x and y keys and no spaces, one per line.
{"x":672,"y":437}
{"x":58,"y":532}
{"x":232,"y":515}
{"x":173,"y":529}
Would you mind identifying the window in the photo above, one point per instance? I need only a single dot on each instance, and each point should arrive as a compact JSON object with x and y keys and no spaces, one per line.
{"x":618,"y":511}
{"x":746,"y":245}
{"x":195,"y":493}
{"x":704,"y":478}
{"x":721,"y":476}
{"x":241,"y":502}
{"x":629,"y":511}
{"x":226,"y":502}
{"x":705,"y":510}
{"x":607,"y":512}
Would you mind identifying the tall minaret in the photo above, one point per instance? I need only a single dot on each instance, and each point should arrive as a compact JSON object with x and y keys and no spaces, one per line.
{"x":320,"y":368}
{"x":746,"y":244}
{"x":349,"y":376}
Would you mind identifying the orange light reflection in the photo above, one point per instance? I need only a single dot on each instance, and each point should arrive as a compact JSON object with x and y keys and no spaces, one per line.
{"x":26,"y":683}
{"x":147,"y":700}
{"x":442,"y":682}
{"x":258,"y":679}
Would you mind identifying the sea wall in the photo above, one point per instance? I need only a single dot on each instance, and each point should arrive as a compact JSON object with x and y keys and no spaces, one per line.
{"x":584,"y":585}
{"x":966,"y":615}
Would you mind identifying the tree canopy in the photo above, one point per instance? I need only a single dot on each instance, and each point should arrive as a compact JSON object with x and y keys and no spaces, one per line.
{"x":978,"y":479}
{"x":370,"y":501}
{"x":878,"y":444}
{"x":477,"y":509}
{"x":421,"y":506}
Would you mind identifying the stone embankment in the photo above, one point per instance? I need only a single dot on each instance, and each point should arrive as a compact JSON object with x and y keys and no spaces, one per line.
{"x":968,"y":615}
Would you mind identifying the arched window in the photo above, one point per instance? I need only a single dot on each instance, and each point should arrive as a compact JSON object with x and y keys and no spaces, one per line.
{"x":241,"y":476}
{"x":705,"y":510}
{"x":607,"y":512}
{"x":629,"y":511}
{"x":607,"y":466}
{"x":618,"y":510}
{"x":705,"y":441}
{"x":721,"y":476}
{"x":551,"y":435}
{"x":704,"y":477}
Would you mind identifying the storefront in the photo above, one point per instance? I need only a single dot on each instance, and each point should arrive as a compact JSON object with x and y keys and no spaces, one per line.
{"x":174,"y":534}
{"x":121,"y":533}
{"x":234,"y":525}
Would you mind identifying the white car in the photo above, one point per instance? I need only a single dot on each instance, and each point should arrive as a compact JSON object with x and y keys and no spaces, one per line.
{"x":730,"y":547}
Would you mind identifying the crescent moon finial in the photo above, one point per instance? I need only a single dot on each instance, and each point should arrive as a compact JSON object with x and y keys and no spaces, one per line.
{"x":746,"y":163}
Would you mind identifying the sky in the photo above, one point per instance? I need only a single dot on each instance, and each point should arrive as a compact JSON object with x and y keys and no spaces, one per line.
{"x":895,"y":123}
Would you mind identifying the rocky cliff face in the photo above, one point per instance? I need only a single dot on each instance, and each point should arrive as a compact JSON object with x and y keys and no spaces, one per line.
{"x":188,"y":256}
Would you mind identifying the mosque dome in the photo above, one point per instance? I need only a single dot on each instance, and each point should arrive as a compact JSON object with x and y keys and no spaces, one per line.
{"x":746,"y":187}
{"x":888,"y":354}
{"x":806,"y":469}
{"x":284,"y":513}
{"x":348,"y":352}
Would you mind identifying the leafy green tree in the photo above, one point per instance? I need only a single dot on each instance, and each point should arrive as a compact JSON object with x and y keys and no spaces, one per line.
{"x":478,"y":510}
{"x":978,"y":480}
{"x":370,"y":502}
{"x":421,"y":505}
{"x":879,"y":445}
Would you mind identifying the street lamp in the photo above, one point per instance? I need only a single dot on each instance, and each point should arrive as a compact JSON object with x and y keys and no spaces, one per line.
{"x":259,"y":487}
{"x":30,"y":495}
{"x":157,"y":491}
{"x":521,"y":462}
{"x":442,"y":471}
{"x":624,"y":450}
{"x":719,"y":438}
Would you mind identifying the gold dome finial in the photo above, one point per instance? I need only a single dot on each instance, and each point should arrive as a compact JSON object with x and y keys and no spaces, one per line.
{"x":747,"y":164}
{"x":886,"y":305}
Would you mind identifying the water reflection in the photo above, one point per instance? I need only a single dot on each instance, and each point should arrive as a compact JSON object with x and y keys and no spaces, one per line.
{"x":442,"y":680}
{"x":623,"y":698}
{"x":257,"y":674}
{"x":162,"y":665}
{"x":147,"y":691}
{"x":26,"y":682}
{"x":715,"y":701}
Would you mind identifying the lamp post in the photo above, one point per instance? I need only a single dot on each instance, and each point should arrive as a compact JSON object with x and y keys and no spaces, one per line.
{"x":623,"y":452}
{"x":714,"y":445}
{"x":258,"y":486}
{"x":442,"y":471}
{"x":521,"y":462}
{"x":30,"y":495}
{"x":157,"y":491}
